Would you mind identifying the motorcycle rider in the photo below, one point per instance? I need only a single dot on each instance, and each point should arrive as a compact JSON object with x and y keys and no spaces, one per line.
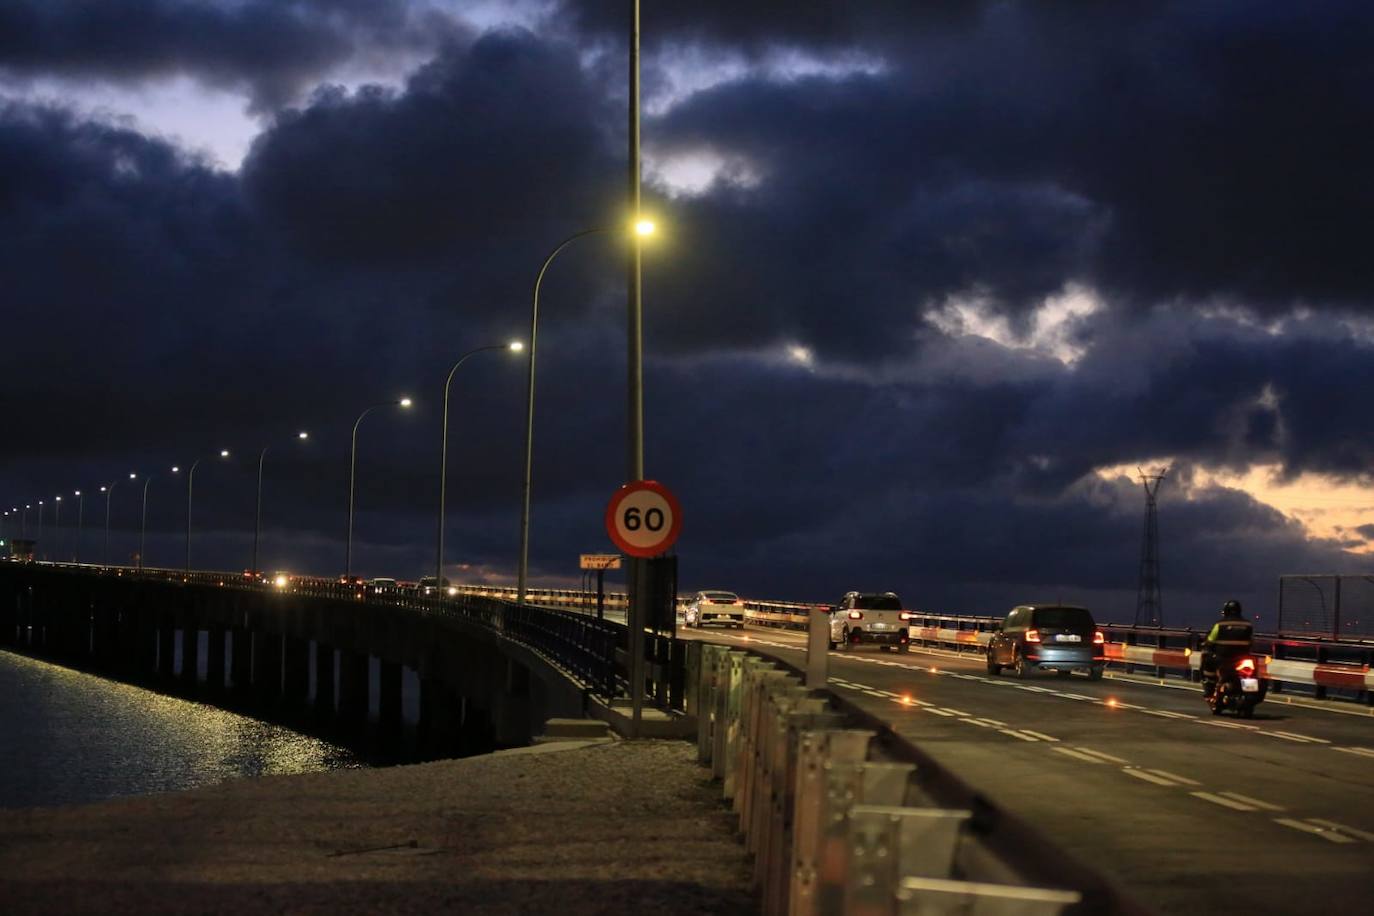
{"x":1229,"y":639}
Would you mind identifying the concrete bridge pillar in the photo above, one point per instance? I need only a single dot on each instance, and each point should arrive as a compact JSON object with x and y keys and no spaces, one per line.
{"x":390,"y":708}
{"x":214,"y":658}
{"x":267,"y":665}
{"x":324,"y":680}
{"x":190,"y":653}
{"x":511,"y":707}
{"x":353,"y":687}
{"x":166,"y":645}
{"x":241,"y":660}
{"x":297,"y":671}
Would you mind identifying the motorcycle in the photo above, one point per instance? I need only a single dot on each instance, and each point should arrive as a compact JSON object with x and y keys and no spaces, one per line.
{"x":1236,"y":689}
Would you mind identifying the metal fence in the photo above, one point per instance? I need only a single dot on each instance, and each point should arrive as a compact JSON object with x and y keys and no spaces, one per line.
{"x":1326,"y":605}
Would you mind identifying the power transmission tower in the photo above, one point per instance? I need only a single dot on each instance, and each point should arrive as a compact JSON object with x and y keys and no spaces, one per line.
{"x":1149,"y":608}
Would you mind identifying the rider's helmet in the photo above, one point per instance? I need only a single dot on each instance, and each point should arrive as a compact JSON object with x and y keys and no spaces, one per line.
{"x":1231,"y":610}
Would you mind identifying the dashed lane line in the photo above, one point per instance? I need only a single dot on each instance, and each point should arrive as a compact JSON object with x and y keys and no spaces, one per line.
{"x":1181,"y":780}
{"x":940,"y":712}
{"x":1361,"y":751}
{"x":1224,"y":801}
{"x":1039,"y":735}
{"x":1070,"y":752}
{"x":1350,"y":831}
{"x":1253,"y":802}
{"x":1148,"y":776}
{"x":1022,"y":735}
{"x":1101,"y":755}
{"x":1290,"y":736}
{"x":1326,"y":833}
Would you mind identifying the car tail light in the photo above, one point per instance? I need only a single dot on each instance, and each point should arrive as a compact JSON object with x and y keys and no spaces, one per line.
{"x":1099,"y":638}
{"x":856,"y":615}
{"x":739,"y":604}
{"x":1032,"y":636}
{"x":907,"y":615}
{"x":1246,"y":666}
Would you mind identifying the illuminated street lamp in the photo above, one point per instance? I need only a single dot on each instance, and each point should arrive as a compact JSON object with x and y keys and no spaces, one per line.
{"x":56,"y":524}
{"x":80,"y":520}
{"x":40,"y":522}
{"x":352,"y":474}
{"x":257,"y":522}
{"x":514,"y":346}
{"x":640,"y":228}
{"x":190,"y":491}
{"x":109,"y":491}
{"x":24,"y":521}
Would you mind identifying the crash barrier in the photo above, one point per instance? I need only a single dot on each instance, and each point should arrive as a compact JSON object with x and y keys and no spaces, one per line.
{"x":1326,"y":668}
{"x":592,"y":650}
{"x":854,"y":820}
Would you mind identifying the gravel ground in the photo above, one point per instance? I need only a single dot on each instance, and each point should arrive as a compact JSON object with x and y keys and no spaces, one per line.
{"x":622,"y":827}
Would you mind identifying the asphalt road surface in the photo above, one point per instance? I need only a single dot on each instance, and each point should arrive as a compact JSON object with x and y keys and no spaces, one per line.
{"x":1188,"y":812}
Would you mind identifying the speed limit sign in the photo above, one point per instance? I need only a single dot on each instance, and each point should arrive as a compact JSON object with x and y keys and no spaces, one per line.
{"x":644,"y":518}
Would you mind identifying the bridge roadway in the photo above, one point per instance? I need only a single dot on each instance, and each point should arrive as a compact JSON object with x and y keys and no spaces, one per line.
{"x":1189,"y":813}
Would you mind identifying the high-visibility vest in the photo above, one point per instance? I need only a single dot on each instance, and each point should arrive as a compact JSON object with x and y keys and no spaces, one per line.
{"x":1231,"y":633}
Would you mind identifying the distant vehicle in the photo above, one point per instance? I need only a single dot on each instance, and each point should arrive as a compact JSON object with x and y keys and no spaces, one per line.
{"x":714,"y":608}
{"x":281,"y":580}
{"x":383,"y":587}
{"x":1039,"y":636}
{"x":430,"y":586}
{"x":870,"y":617}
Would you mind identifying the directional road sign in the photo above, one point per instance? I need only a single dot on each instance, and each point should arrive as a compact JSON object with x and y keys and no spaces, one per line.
{"x":600,"y":561}
{"x":643,"y":518}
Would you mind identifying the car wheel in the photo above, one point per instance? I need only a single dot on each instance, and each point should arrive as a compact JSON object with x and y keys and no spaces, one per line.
{"x":844,"y":638}
{"x":1095,"y":673}
{"x":993,"y":667}
{"x":830,"y":643}
{"x":1020,"y":667}
{"x":904,"y":648}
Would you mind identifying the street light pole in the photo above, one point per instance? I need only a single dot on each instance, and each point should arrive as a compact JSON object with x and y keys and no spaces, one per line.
{"x":24,"y":522}
{"x":108,"y":491}
{"x":80,"y":519}
{"x":57,"y":526}
{"x":515,"y":347}
{"x":257,"y":518}
{"x":143,"y":523}
{"x":352,"y":475}
{"x":635,"y":406}
{"x":190,"y":488}
{"x":40,"y":522}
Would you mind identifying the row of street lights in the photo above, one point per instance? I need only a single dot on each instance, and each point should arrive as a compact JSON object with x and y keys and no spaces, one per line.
{"x":641,"y":228}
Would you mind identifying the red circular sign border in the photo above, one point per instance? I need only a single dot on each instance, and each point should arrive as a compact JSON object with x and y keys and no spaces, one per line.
{"x":621,"y":495}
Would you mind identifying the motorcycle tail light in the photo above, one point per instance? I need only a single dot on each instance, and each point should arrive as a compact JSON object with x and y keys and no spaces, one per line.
{"x":1099,"y":638}
{"x":1246,"y":666}
{"x":856,"y":615}
{"x":1032,"y":636}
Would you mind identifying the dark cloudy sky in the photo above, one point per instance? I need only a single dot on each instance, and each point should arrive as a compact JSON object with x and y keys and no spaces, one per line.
{"x":933,"y":279}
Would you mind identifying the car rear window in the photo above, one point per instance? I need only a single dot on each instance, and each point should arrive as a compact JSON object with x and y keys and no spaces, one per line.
{"x":878,"y":602}
{"x":1068,"y":618}
{"x":720,"y":596}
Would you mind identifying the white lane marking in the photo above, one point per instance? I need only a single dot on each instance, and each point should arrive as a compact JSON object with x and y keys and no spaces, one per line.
{"x":1362,"y":751}
{"x":1324,"y":832}
{"x":1167,"y":714}
{"x":880,"y":694}
{"x":940,"y":712}
{"x":1039,"y":735}
{"x":993,"y":721}
{"x":857,"y":686}
{"x":1118,"y":704}
{"x":1069,"y":752}
{"x":1075,"y":696}
{"x":978,"y":722}
{"x":1223,"y":801}
{"x":1352,"y":831}
{"x":1107,"y":757}
{"x":1303,"y":737}
{"x":1181,"y":780}
{"x":1255,"y":802}
{"x":1251,"y":728}
{"x":956,"y":712}
{"x":1024,"y":736}
{"x":1148,"y":776}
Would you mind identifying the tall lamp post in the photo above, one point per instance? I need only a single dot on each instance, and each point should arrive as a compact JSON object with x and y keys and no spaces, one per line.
{"x":80,"y":520}
{"x":641,"y":228}
{"x":190,"y":491}
{"x":257,"y":519}
{"x":57,"y":525}
{"x":352,"y":475}
{"x":514,"y":346}
{"x":40,"y":522}
{"x":143,"y":522}
{"x":108,"y":491}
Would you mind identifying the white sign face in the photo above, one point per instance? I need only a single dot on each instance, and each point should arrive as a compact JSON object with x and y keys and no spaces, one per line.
{"x":600,"y":561}
{"x":643,"y":518}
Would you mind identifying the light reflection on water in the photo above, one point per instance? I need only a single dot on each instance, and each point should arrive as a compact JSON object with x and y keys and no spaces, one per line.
{"x":71,"y":738}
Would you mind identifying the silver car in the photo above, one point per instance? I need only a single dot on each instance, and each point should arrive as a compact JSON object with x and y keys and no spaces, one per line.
{"x":714,"y":608}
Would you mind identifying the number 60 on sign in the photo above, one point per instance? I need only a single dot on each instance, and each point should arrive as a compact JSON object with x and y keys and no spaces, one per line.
{"x":643,"y":518}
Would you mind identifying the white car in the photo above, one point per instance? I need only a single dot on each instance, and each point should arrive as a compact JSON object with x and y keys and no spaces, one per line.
{"x":714,"y":608}
{"x":873,"y":618}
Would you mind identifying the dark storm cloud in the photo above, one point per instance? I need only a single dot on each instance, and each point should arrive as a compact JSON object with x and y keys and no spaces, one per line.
{"x":271,"y":48}
{"x":373,"y":236}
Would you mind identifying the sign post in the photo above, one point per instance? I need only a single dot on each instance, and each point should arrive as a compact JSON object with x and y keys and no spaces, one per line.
{"x":600,"y":562}
{"x":643,"y":519}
